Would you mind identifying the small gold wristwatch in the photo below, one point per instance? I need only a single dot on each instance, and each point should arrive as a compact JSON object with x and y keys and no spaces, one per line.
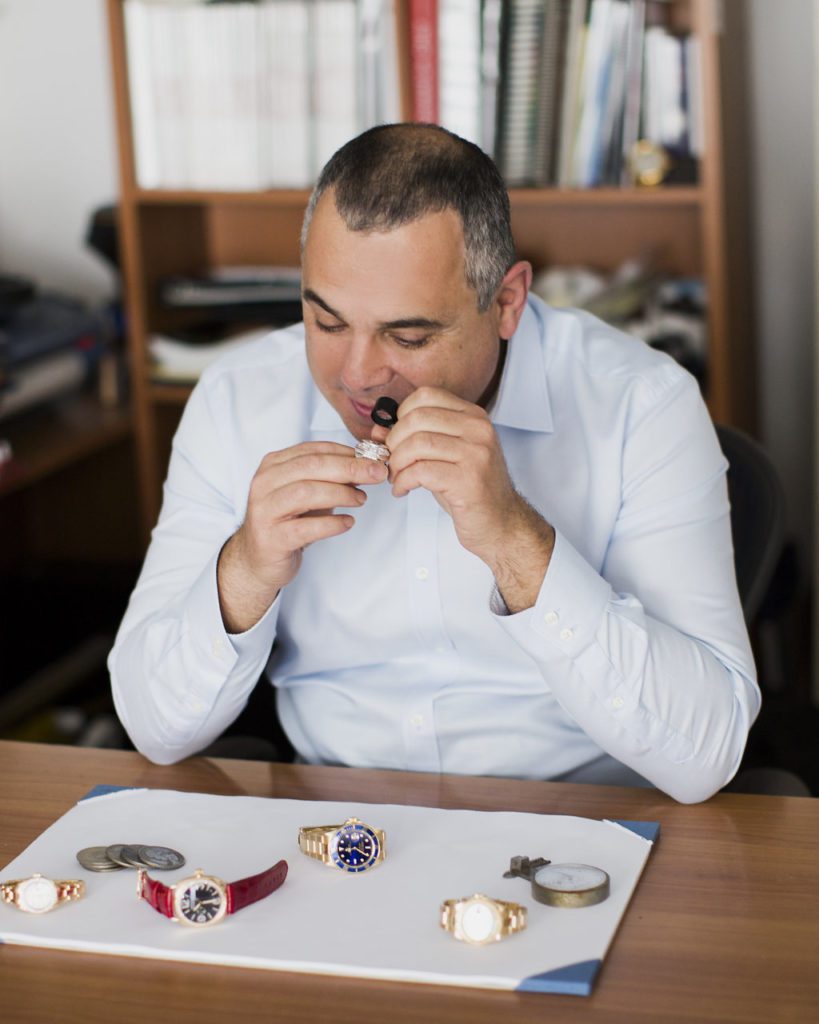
{"x":352,"y":846}
{"x":38,"y":894}
{"x":480,"y":919}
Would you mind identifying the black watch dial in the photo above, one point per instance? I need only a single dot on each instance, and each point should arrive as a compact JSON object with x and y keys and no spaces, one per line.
{"x":201,"y":902}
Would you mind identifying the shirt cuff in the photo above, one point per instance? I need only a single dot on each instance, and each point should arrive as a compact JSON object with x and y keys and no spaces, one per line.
{"x":570,"y":605}
{"x":257,"y":641}
{"x":220,"y":648}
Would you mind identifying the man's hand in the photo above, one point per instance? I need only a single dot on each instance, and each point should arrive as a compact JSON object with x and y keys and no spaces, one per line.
{"x":290,"y":505}
{"x":450,"y":447}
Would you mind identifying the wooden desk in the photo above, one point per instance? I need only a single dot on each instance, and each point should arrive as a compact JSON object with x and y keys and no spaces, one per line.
{"x":724,"y":925}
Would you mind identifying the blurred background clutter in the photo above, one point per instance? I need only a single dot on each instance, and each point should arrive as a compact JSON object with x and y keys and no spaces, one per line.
{"x":155,"y":161}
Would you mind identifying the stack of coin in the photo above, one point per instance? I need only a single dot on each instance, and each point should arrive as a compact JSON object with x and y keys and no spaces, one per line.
{"x":129,"y":855}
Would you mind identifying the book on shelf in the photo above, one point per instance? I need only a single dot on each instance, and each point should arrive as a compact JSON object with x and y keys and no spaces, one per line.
{"x":491,"y":20}
{"x":335,"y":113}
{"x":574,"y":45}
{"x":459,"y":67}
{"x":245,"y":96}
{"x":378,"y":63}
{"x":182,"y":357}
{"x":237,"y":294}
{"x":521,"y":39}
{"x":222,"y":285}
{"x":423,"y":43}
{"x":531,"y":89}
{"x":250,"y":96}
{"x":633,"y":87}
{"x":565,"y":88}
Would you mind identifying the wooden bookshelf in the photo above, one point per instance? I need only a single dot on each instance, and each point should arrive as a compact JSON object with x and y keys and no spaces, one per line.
{"x":692,"y":231}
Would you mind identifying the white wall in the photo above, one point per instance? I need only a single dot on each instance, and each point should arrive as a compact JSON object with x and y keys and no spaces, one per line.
{"x":782,"y":105}
{"x":57,"y":155}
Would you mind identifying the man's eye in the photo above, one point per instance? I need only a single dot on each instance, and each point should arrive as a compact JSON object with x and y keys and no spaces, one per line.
{"x":411,"y":342}
{"x":329,"y":328}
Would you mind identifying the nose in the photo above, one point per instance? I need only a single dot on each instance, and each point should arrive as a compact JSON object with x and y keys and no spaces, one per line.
{"x":364,"y":366}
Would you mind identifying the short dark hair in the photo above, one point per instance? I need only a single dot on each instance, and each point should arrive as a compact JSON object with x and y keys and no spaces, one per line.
{"x":395,"y":173}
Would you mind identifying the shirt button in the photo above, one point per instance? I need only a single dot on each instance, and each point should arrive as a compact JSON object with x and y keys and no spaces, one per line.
{"x":550,"y":618}
{"x":421,"y":573}
{"x":440,"y":649}
{"x":566,"y":634}
{"x":217,"y":647}
{"x":416,"y":721}
{"x":617,"y":702}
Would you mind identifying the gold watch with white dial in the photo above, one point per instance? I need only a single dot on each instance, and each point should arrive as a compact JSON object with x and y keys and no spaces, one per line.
{"x":480,"y":919}
{"x":38,"y":894}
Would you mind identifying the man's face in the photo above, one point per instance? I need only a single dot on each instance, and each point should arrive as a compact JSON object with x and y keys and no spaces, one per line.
{"x":387,"y":312}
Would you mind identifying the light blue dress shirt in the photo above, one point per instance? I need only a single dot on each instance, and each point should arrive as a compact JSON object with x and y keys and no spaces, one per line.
{"x":393,"y":646}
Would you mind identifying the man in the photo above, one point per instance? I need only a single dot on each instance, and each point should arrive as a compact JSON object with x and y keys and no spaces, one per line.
{"x":543,"y":586}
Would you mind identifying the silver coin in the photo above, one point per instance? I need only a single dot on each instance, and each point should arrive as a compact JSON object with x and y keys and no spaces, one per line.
{"x":115,"y":854}
{"x":163,"y":858}
{"x":129,"y":856}
{"x":94,"y":858}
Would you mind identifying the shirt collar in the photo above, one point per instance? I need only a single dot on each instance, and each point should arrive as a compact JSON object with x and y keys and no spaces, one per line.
{"x":522,"y":401}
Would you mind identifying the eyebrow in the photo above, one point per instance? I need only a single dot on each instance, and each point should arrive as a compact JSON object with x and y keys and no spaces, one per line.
{"x":402,"y":324}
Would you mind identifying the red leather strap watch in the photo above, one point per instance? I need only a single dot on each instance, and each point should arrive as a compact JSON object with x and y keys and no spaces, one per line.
{"x":204,"y":899}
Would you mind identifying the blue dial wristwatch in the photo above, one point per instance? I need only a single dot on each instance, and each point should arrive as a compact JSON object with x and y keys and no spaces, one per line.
{"x":352,"y":846}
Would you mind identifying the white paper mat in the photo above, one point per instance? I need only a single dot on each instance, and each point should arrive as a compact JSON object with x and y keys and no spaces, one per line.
{"x":380,"y":924}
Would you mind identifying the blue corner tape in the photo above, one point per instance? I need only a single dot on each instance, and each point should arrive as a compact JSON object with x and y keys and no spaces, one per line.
{"x":573,"y":980}
{"x":647,"y":829}
{"x":102,"y":790}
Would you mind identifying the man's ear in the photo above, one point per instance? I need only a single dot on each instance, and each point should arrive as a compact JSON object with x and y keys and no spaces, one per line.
{"x":510,"y":300}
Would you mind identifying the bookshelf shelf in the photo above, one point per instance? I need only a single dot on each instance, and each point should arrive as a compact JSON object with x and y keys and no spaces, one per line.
{"x":274,"y":197}
{"x":681,"y":195}
{"x":694,"y":231}
{"x":671,"y":195}
{"x":169,"y":394}
{"x":46,"y":441}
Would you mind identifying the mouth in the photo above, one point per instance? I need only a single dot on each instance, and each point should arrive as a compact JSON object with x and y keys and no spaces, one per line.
{"x":361,"y":409}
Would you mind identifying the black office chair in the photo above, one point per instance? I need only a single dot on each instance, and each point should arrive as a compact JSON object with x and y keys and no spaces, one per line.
{"x":758,"y":527}
{"x":757,"y":516}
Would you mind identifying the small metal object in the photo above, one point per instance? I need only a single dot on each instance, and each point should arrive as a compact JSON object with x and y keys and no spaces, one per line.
{"x":561,"y":885}
{"x":523,"y":867}
{"x":372,"y":450}
{"x":385,"y":411}
{"x":648,"y":163}
{"x":95,"y":858}
{"x":162,"y":858}
{"x":570,"y":885}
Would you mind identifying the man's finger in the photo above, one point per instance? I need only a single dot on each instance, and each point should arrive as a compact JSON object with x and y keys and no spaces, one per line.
{"x":296,"y":451}
{"x":433,"y":398}
{"x":302,"y":496}
{"x":298,"y":533}
{"x":340,"y":466}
